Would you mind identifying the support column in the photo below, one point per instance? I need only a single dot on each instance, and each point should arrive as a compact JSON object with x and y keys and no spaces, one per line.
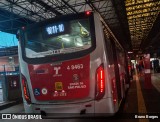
{"x":147,"y":72}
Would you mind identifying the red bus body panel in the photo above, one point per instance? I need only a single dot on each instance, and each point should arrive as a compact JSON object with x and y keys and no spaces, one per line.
{"x":67,"y":80}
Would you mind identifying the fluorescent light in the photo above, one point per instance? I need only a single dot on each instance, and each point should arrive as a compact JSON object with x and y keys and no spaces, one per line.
{"x":65,"y":39}
{"x":79,"y":44}
{"x":130,"y":52}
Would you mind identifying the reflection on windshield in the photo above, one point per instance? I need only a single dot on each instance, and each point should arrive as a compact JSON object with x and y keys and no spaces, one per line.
{"x":77,"y":39}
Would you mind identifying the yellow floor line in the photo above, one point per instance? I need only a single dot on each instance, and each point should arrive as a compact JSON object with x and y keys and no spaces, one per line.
{"x":141,"y":103}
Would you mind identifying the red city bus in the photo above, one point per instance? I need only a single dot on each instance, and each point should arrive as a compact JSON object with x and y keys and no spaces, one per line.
{"x":71,"y":64}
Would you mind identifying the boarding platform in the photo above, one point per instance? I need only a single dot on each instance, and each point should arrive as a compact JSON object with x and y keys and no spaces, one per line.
{"x":143,"y":102}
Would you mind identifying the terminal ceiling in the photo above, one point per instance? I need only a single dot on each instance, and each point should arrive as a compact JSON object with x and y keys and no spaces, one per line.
{"x":134,"y":22}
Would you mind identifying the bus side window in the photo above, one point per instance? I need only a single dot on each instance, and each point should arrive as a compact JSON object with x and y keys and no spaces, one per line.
{"x":120,"y":55}
{"x":109,"y":50}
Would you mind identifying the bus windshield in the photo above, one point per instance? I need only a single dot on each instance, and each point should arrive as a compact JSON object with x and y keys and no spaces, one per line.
{"x":58,"y":38}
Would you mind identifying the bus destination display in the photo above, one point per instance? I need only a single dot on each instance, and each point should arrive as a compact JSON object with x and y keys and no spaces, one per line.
{"x":55,"y":29}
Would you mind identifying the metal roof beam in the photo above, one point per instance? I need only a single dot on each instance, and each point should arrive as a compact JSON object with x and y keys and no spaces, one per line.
{"x":92,"y":6}
{"x":69,"y":6}
{"x":14,"y":3}
{"x":47,"y":7}
{"x":115,"y":4}
{"x":7,"y":18}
